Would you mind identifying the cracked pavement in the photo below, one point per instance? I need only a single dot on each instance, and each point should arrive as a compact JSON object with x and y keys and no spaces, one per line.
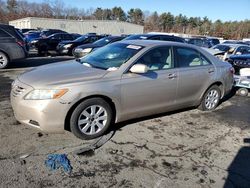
{"x":186,"y":148}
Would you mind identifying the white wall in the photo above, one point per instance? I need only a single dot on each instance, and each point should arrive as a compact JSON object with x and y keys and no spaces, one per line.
{"x":81,"y":27}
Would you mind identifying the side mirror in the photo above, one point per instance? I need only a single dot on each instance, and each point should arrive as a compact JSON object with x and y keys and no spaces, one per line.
{"x":139,"y":68}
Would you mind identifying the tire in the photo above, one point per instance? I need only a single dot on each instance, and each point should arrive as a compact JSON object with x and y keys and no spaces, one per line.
{"x":40,"y":53}
{"x":242,"y":92}
{"x":84,"y":122}
{"x":4,"y":60}
{"x":42,"y":50}
{"x":70,"y":52}
{"x":211,"y":99}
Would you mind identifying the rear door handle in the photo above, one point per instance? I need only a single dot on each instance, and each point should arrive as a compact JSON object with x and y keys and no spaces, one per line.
{"x":172,"y":76}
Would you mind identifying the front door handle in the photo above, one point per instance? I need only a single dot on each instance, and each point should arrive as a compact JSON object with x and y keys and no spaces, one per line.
{"x":210,"y":70}
{"x":172,"y":76}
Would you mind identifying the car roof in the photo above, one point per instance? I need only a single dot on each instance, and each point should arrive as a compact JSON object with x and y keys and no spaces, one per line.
{"x":232,"y":45}
{"x":148,"y":43}
{"x":60,"y":34}
{"x":113,"y":37}
{"x":152,"y":35}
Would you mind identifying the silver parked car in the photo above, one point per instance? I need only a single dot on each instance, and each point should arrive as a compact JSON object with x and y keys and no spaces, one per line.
{"x":121,"y":81}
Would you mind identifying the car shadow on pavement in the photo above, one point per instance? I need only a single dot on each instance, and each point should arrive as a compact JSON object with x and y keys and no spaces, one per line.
{"x":229,"y":95}
{"x":120,"y":125}
{"x":239,"y":169}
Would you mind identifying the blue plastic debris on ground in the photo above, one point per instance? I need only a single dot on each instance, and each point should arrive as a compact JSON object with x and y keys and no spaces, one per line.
{"x":55,"y":161}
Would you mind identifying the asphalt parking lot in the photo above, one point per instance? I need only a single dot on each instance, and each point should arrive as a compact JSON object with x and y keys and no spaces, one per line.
{"x":186,"y":148}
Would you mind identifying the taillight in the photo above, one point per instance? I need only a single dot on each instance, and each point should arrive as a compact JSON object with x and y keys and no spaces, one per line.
{"x":232,"y":70}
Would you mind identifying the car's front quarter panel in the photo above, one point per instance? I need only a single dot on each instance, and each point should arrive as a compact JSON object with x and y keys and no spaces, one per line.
{"x":106,"y":87}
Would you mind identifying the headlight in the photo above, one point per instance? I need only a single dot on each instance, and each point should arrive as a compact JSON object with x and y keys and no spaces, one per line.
{"x":39,"y":94}
{"x":87,"y":50}
{"x":34,"y":41}
{"x":67,"y":45}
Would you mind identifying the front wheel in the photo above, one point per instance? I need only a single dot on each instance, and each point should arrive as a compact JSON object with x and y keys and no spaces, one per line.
{"x":4,"y":61}
{"x":210,"y":99}
{"x":91,"y":118}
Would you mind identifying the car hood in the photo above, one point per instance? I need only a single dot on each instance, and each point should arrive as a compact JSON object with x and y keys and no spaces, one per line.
{"x":61,"y":73}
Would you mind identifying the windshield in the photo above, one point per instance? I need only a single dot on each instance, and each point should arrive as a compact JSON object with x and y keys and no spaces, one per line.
{"x":111,"y":57}
{"x":223,"y":48}
{"x":80,"y":39}
{"x":102,"y":42}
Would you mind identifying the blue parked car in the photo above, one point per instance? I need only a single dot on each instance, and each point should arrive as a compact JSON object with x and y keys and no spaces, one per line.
{"x":32,"y":37}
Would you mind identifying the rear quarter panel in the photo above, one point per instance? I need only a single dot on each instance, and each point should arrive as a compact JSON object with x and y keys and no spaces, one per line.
{"x":12,"y":49}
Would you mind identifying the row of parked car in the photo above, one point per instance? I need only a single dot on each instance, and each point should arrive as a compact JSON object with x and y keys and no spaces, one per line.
{"x":16,"y":43}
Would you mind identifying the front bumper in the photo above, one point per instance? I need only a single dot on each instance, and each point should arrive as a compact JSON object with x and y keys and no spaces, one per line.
{"x":62,"y":50}
{"x":46,"y":115}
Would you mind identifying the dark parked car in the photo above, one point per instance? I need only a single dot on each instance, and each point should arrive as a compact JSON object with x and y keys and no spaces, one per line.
{"x":12,"y":46}
{"x":201,"y":42}
{"x":155,"y":37}
{"x":212,"y":41}
{"x":82,"y":50}
{"x":47,"y":32}
{"x":240,"y":61}
{"x":50,"y":43}
{"x":66,"y":47}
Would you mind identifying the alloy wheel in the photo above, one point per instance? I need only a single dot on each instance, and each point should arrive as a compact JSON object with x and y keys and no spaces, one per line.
{"x":92,"y":119}
{"x":3,"y":60}
{"x":212,"y":99}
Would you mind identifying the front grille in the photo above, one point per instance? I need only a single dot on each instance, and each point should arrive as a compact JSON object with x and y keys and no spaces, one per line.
{"x":17,"y":90}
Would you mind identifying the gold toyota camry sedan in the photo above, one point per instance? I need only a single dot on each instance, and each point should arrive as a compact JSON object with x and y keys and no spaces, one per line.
{"x":121,"y":81}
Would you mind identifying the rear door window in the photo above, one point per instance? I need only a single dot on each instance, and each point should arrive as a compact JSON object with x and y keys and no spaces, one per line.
{"x":187,"y":57}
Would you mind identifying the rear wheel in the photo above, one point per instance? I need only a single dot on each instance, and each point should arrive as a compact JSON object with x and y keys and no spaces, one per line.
{"x":210,"y":99}
{"x":4,"y":61}
{"x":242,"y":92}
{"x":91,"y":118}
